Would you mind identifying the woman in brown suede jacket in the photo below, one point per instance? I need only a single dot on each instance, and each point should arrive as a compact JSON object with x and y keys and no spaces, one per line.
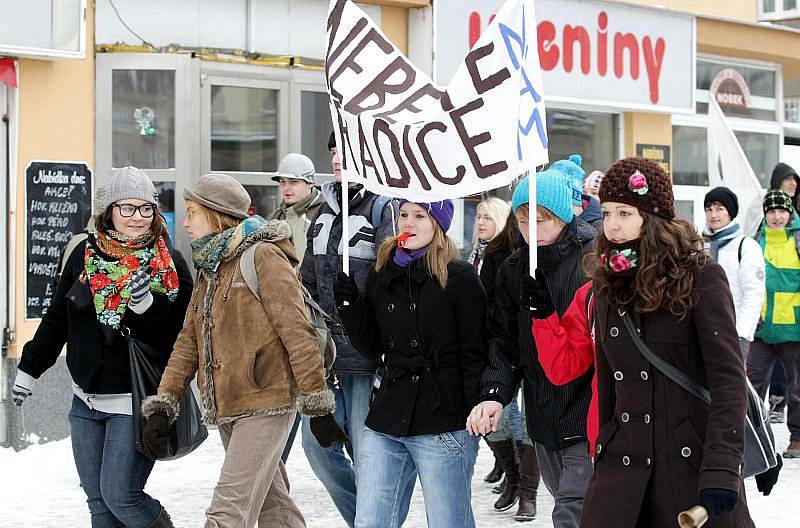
{"x":256,"y":361}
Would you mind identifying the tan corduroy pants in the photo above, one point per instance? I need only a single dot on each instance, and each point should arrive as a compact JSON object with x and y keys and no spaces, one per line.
{"x":253,"y":485}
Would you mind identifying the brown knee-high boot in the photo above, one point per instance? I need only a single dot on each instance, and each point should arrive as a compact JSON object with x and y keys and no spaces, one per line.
{"x":528,"y":483}
{"x":507,"y":455}
{"x":497,"y":471}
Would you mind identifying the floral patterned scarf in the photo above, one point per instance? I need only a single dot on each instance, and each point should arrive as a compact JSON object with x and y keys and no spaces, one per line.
{"x":109,"y":265}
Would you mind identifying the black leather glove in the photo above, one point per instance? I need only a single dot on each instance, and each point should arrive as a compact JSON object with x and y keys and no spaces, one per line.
{"x":345,"y":289}
{"x":327,"y":431}
{"x":766,"y":480}
{"x":535,"y":297}
{"x":718,"y":501}
{"x":155,"y":436}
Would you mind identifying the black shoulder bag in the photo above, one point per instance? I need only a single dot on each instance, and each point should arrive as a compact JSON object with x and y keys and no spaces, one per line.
{"x":188,"y":431}
{"x":759,"y":445}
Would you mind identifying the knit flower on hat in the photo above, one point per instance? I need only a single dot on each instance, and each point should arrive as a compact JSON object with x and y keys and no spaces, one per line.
{"x":638,"y":183}
{"x":619,"y":260}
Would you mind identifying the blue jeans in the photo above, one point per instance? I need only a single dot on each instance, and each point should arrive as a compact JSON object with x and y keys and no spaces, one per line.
{"x":112,"y":472}
{"x":388,"y":465}
{"x":331,"y":466}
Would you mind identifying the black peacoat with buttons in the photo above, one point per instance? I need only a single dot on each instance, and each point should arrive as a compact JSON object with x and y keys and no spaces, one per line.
{"x":432,"y":341}
{"x":658,"y":446}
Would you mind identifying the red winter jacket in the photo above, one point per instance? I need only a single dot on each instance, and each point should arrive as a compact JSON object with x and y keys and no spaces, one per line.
{"x":566,"y":351}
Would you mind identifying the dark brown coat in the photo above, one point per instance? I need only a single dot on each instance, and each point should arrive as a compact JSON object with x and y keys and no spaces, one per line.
{"x":658,"y":445}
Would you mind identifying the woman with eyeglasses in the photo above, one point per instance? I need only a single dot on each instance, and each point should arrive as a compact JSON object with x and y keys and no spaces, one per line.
{"x":122,"y":277}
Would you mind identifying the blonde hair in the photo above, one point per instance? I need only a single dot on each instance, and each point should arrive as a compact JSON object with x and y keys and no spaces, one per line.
{"x":441,"y":252}
{"x":498,"y":210}
{"x":219,"y":221}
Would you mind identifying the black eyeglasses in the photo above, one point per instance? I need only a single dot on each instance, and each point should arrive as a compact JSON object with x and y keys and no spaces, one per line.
{"x":127,"y":210}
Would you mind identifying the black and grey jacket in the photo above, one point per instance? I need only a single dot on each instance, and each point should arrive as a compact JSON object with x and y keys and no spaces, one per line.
{"x":323,"y":258}
{"x":556,"y":415}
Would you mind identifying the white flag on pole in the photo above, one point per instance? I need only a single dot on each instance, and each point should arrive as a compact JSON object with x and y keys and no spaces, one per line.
{"x":401,"y":135}
{"x":728,"y":166}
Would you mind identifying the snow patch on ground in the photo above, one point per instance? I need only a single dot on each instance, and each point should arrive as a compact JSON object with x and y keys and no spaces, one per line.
{"x":41,"y":489}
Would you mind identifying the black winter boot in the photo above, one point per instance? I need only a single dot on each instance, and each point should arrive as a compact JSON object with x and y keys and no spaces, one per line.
{"x":507,"y":455}
{"x":497,"y":471}
{"x":162,"y":521}
{"x":528,"y":483}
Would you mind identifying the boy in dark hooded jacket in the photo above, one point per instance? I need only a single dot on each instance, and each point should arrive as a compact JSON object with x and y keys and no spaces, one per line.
{"x":555,"y":415}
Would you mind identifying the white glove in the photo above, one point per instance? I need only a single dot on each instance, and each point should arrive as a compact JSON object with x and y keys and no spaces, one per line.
{"x":23,"y":384}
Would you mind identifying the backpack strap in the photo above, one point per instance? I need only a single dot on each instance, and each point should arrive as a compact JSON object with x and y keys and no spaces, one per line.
{"x":73,"y":243}
{"x":377,"y":210}
{"x":741,"y":243}
{"x":247,"y":266}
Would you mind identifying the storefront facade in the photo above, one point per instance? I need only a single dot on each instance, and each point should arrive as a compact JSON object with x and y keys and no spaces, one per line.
{"x":230,"y":88}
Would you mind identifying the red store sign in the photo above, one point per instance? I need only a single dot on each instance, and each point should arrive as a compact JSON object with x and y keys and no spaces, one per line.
{"x":598,"y":53}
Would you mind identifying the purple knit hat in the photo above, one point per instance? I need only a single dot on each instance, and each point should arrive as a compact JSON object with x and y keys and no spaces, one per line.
{"x":442,"y":211}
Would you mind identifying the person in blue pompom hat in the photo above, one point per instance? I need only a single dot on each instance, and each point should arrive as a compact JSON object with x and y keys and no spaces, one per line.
{"x":583,"y":205}
{"x":423,"y":310}
{"x":554,"y":416}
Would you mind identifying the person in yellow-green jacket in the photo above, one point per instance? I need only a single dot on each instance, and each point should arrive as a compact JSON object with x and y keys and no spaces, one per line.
{"x":778,"y":335}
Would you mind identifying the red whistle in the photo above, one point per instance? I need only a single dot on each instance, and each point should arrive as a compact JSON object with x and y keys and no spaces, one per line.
{"x":403,"y":238}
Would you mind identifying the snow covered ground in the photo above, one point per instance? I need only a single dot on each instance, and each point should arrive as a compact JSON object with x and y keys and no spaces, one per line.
{"x":40,"y":490}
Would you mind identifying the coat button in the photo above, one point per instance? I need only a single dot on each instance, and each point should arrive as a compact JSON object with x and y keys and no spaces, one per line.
{"x":413,"y":343}
{"x":647,"y":461}
{"x":413,"y":306}
{"x":414,"y":378}
{"x":626,"y":460}
{"x":646,"y":418}
{"x":390,"y":307}
{"x":618,"y":375}
{"x":614,"y":331}
{"x":598,"y":448}
{"x":644,"y":375}
{"x":625,"y":417}
{"x":686,"y":452}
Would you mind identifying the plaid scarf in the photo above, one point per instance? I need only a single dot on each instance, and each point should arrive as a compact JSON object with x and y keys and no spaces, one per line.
{"x":209,"y":251}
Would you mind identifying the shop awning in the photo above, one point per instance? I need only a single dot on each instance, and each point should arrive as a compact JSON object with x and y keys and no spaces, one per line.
{"x":744,"y":40}
{"x":8,"y":74}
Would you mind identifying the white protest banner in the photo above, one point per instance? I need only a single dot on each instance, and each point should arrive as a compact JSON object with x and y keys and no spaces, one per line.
{"x":728,"y":166}
{"x":401,"y":135}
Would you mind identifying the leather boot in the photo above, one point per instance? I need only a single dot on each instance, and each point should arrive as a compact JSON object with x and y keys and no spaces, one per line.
{"x":162,"y":521}
{"x":497,"y":471}
{"x":506,"y":453}
{"x":528,"y":483}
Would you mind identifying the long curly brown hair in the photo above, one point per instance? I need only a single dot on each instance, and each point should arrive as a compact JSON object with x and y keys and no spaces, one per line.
{"x":670,"y":252}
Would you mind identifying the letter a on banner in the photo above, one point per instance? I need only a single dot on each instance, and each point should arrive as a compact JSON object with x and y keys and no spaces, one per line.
{"x":401,"y":135}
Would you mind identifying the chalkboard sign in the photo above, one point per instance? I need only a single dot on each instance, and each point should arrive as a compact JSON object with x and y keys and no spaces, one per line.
{"x":58,"y":203}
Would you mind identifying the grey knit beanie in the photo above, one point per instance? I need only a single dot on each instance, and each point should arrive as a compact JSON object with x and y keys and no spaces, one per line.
{"x":222,"y":193}
{"x":129,"y":183}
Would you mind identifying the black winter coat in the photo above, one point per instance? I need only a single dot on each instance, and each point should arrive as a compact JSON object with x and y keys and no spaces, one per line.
{"x":323,"y":260}
{"x":491,"y":265}
{"x":97,"y":355}
{"x":432,"y":340}
{"x":555,"y":415}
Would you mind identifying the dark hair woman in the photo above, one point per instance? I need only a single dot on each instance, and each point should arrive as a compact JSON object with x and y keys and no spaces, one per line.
{"x":659,"y":448}
{"x":123,"y":276}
